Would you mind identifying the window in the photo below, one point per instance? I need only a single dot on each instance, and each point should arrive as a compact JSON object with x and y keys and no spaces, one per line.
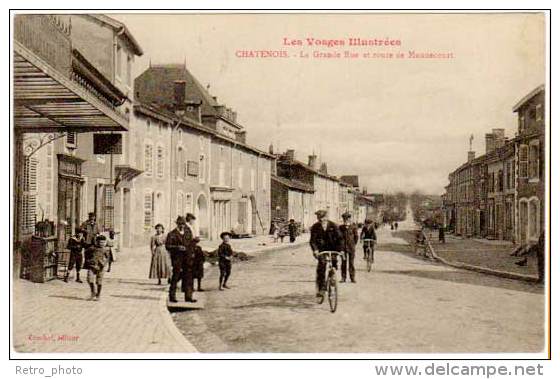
{"x":202,"y":167}
{"x":188,"y":203}
{"x":178,"y":159}
{"x":180,"y":203}
{"x":500,"y":181}
{"x":240,"y":177}
{"x":148,"y":159}
{"x":491,"y":182}
{"x":148,"y":209}
{"x":119,"y":61}
{"x":521,"y":123}
{"x":107,"y":207}
{"x":253,"y":180}
{"x":534,"y":219}
{"x":222,"y":173}
{"x":160,"y":161}
{"x":29,"y":206}
{"x":128,"y":70}
{"x":534,"y":160}
{"x":523,"y":220}
{"x":539,"y":111}
{"x":71,"y":139}
{"x":523,"y":161}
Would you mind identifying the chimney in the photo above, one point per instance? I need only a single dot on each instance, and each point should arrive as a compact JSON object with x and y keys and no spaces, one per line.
{"x":490,"y":142}
{"x":470,"y":156}
{"x":241,"y":136}
{"x":313,"y":161}
{"x":323,"y":168}
{"x":271,"y":149}
{"x":179,"y":93}
{"x":234,"y":116}
{"x":500,"y":137}
{"x":290,"y":154}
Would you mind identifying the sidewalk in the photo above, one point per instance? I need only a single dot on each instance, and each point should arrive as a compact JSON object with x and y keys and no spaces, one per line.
{"x":483,"y":255}
{"x":132,"y":316}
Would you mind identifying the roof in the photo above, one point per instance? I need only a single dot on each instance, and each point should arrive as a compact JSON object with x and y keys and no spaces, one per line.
{"x":293,"y":184}
{"x":352,"y":180}
{"x":164,"y":115}
{"x":528,"y":97}
{"x":162,"y":77}
{"x":307,"y":167}
{"x":120,"y":28}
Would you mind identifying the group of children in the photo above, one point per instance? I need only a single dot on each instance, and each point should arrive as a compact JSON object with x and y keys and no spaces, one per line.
{"x":160,"y":266}
{"x":97,"y":256}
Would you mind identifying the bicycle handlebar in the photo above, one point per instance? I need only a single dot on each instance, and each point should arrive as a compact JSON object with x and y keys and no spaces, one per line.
{"x":330,"y":253}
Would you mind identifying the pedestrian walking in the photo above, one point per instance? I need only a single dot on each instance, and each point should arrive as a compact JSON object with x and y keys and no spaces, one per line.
{"x":441,"y":234}
{"x":178,"y":244}
{"x":292,"y":230}
{"x":91,"y":229}
{"x":198,"y":266}
{"x":76,"y":245}
{"x":96,"y":259}
{"x":325,"y":236}
{"x":111,"y":246}
{"x":396,"y":225}
{"x":225,"y":256}
{"x":349,"y":234}
{"x":160,"y":263}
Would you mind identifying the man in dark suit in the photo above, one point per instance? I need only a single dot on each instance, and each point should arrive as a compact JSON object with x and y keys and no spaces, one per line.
{"x":178,"y":243}
{"x":325,"y":236}
{"x":349,"y":234}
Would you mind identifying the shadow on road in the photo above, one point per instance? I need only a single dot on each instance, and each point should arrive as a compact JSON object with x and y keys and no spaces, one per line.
{"x":70,"y":297}
{"x":466,"y":277}
{"x":136,"y":297}
{"x":292,"y":300}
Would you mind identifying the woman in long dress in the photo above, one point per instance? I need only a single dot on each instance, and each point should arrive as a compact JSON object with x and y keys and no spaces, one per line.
{"x":160,"y":265}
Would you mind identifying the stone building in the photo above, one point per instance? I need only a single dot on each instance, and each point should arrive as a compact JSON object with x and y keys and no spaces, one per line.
{"x":218,"y":176}
{"x":530,"y":168}
{"x":291,"y":199}
{"x":326,"y":187}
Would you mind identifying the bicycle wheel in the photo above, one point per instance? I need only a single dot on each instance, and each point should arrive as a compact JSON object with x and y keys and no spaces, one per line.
{"x":332,"y":291}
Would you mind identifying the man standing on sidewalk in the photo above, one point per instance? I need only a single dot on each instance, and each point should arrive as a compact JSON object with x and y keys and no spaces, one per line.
{"x":325,"y":236}
{"x":349,"y":234}
{"x":91,"y":229}
{"x":178,"y":243}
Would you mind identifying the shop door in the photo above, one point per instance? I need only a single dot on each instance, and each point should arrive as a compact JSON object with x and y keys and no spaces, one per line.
{"x":69,"y":200}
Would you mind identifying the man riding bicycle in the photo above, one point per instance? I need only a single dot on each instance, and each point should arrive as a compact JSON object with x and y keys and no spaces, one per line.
{"x":368,"y":233}
{"x":325,"y":236}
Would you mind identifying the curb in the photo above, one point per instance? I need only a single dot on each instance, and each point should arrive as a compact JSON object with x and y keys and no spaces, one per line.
{"x":179,"y":338}
{"x":168,"y":320}
{"x":482,"y":270}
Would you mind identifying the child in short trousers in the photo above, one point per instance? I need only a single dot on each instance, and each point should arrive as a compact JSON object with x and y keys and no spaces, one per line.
{"x":96,"y":259}
{"x":225,"y":255}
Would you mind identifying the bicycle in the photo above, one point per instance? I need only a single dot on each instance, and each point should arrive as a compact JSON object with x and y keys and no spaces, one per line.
{"x":369,"y":252}
{"x":331,"y":280}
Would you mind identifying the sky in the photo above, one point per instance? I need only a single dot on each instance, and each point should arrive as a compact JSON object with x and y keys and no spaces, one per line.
{"x":400,"y":124}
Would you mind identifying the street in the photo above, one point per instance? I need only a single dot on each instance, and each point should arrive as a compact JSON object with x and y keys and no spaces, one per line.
{"x":405,"y":305}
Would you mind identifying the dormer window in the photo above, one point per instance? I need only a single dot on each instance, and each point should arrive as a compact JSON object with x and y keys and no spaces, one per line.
{"x":539,"y":112}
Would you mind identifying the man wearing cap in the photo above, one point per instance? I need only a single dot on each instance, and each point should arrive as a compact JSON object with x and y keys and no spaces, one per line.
{"x":325,"y":236}
{"x":187,"y":277}
{"x":178,"y":244}
{"x":349,"y":233}
{"x":91,"y":230}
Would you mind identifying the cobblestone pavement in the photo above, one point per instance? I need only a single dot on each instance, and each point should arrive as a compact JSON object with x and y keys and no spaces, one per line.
{"x":404,"y":305}
{"x":131,"y":317}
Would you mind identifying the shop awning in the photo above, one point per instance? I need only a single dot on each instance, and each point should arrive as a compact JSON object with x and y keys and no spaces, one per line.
{"x":46,"y":100}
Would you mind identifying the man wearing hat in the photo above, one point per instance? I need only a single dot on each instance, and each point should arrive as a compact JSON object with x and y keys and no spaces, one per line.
{"x":349,"y":234}
{"x":91,"y":230}
{"x":187,"y":277}
{"x":325,"y":236}
{"x":178,"y":244}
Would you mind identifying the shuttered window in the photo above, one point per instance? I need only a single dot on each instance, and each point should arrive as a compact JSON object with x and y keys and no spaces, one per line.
{"x":108,"y":208}
{"x":523,"y":161}
{"x":148,"y":210}
{"x":29,"y":206}
{"x":148,"y":159}
{"x":534,"y":160}
{"x":160,"y":161}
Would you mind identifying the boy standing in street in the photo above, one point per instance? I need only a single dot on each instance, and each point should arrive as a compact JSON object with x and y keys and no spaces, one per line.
{"x":225,"y":255}
{"x":75,"y":245}
{"x":96,"y":259}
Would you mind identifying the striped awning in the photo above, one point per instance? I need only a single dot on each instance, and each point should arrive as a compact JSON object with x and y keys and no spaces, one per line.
{"x":46,"y":100}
